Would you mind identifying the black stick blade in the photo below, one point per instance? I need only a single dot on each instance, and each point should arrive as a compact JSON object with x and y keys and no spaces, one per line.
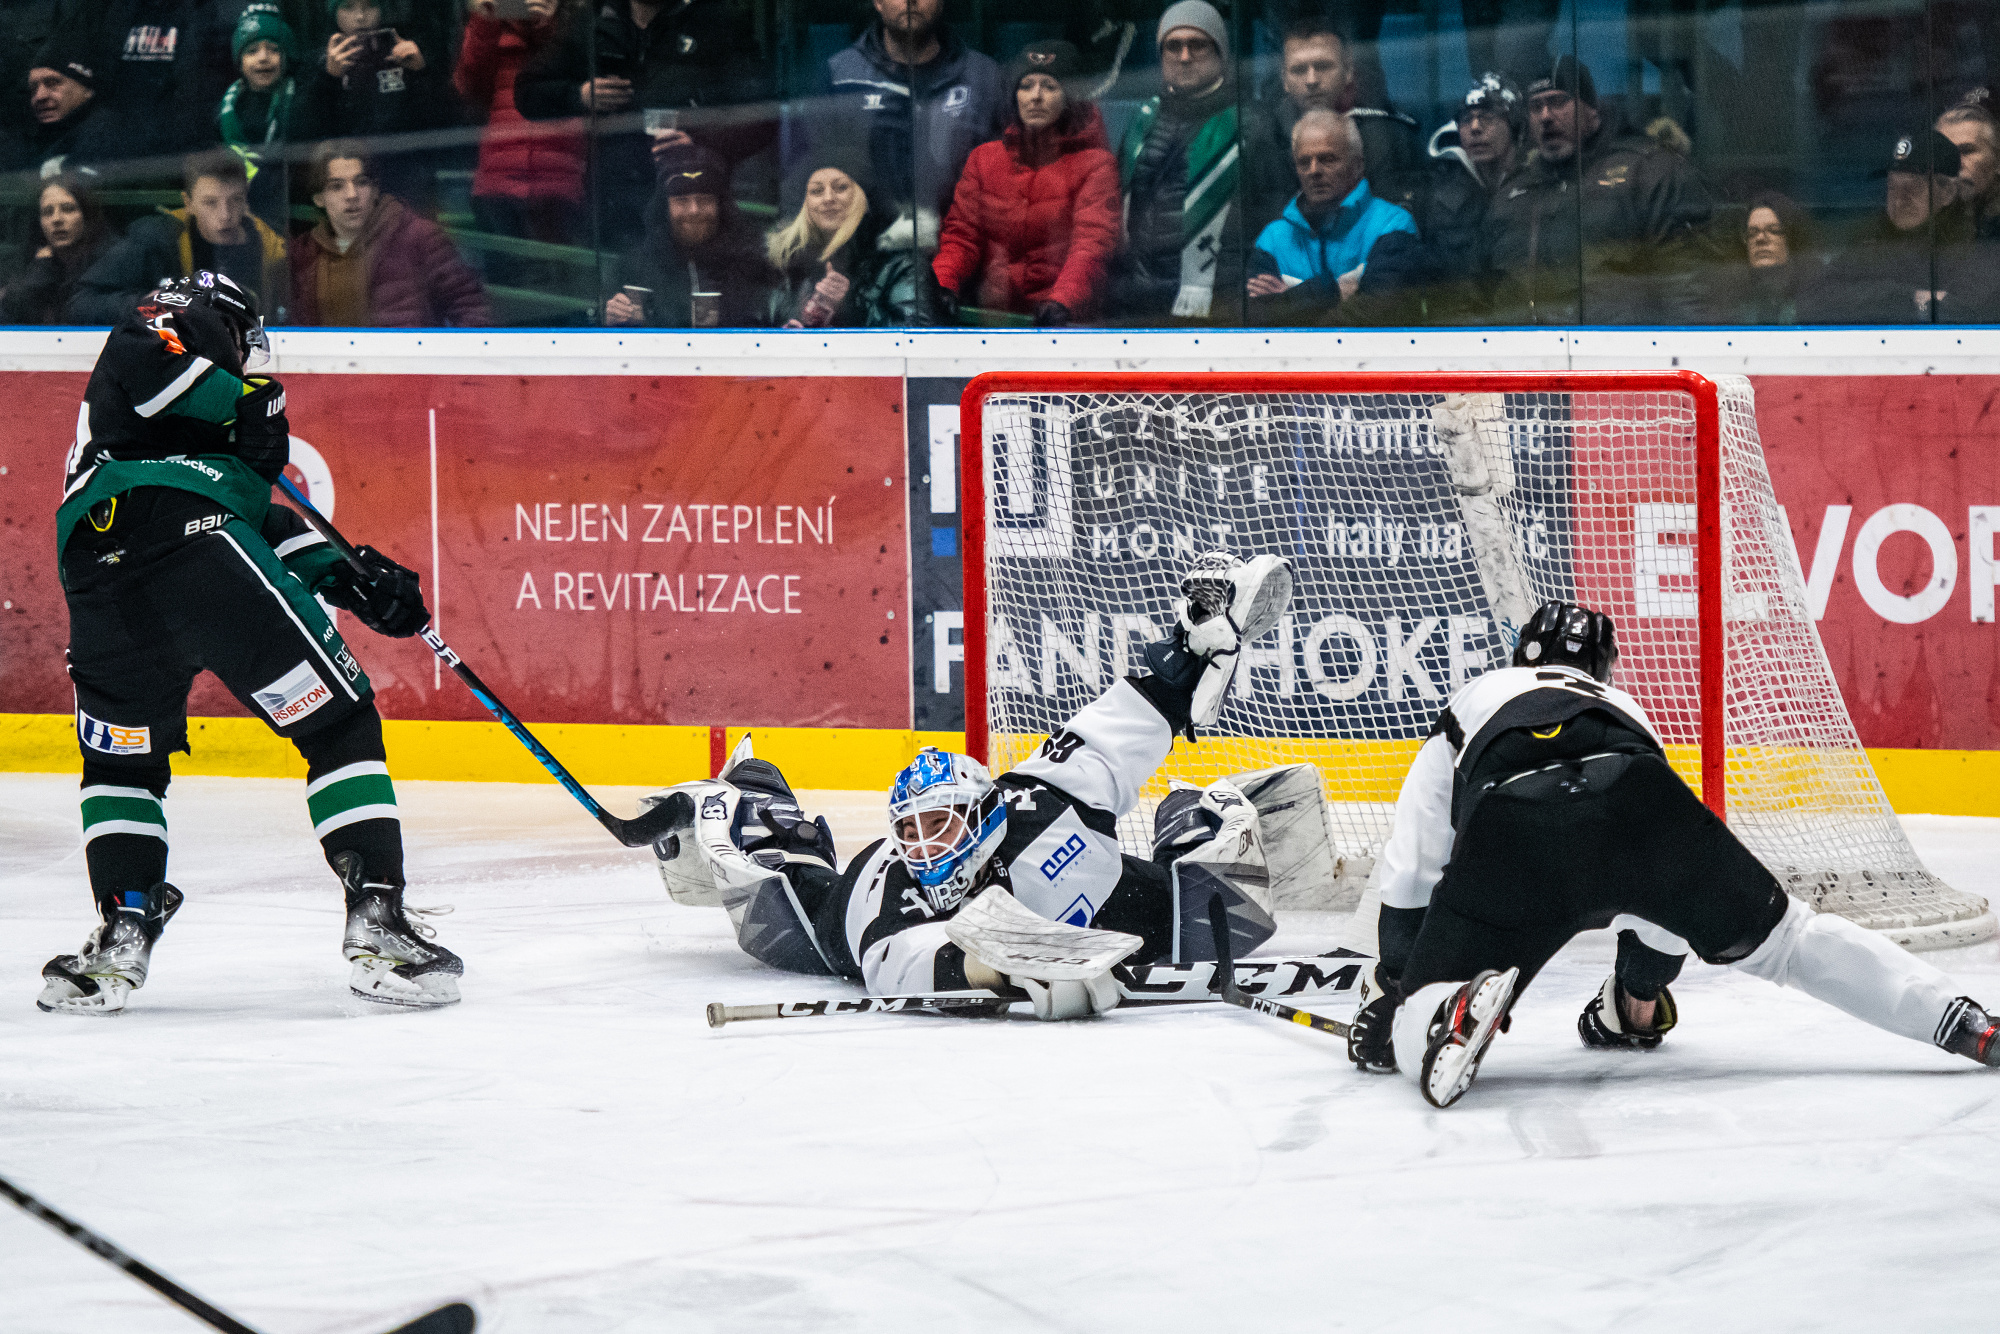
{"x":675,"y":815}
{"x":457,"y":1318}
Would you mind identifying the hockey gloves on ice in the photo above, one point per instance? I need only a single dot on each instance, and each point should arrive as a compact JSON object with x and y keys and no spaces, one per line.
{"x":391,"y":604}
{"x":263,"y":435}
{"x":1370,"y":1042}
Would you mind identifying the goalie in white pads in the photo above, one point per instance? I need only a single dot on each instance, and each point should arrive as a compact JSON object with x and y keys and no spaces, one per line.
{"x":1542,"y":805}
{"x":1017,"y":882}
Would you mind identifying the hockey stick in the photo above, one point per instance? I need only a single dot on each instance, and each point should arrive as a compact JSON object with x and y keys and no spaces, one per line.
{"x":1141,"y":986}
{"x":455,"y":1318}
{"x":1225,"y":971}
{"x":671,"y":816}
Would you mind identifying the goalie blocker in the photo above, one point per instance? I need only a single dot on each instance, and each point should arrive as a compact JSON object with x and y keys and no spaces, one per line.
{"x":918,"y":912}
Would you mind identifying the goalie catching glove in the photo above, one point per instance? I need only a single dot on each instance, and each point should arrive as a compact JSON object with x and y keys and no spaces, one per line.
{"x":389,"y":601}
{"x":1066,"y":970}
{"x":1226,"y":603}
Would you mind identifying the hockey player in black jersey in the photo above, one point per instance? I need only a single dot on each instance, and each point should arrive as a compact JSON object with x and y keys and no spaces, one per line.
{"x":174,"y":560}
{"x":1043,"y":837}
{"x":1543,"y":805}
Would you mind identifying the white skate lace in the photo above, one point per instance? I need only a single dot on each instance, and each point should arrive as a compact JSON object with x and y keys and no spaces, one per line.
{"x":424,"y":929}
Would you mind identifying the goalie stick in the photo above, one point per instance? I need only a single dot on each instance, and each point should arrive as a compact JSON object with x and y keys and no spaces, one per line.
{"x":671,"y":816}
{"x":453,"y":1318}
{"x":1226,"y":971}
{"x":1140,"y":986}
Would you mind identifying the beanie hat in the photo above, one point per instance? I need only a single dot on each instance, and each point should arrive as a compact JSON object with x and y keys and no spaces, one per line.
{"x":1568,"y":76}
{"x":262,"y":22}
{"x":69,"y":58}
{"x":690,"y":169}
{"x":1195,"y":14}
{"x":1497,"y":93}
{"x":1051,"y":56}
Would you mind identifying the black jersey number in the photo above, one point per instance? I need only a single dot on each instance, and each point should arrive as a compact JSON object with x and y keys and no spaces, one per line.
{"x":1061,"y":746}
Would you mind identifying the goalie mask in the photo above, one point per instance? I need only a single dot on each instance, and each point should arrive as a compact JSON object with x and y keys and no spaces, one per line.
{"x":1562,"y":634}
{"x":946,"y":819}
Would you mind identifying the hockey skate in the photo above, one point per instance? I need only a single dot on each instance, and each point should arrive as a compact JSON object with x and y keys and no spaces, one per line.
{"x":1966,"y":1030}
{"x":1603,"y":1023}
{"x":1229,"y":602}
{"x":1465,"y":1024}
{"x":395,"y":960}
{"x":112,"y":964}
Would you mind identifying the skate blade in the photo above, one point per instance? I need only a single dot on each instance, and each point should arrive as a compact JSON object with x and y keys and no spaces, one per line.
{"x":61,"y":997}
{"x":1456,"y":1072}
{"x":376,"y":979}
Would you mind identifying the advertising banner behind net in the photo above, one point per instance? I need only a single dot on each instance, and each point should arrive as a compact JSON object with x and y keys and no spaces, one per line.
{"x":688,"y":550}
{"x":712,"y":549}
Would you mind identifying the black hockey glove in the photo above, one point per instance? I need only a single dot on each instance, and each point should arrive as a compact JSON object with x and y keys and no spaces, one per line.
{"x":392,"y":605}
{"x":263,"y":435}
{"x":1370,"y":1038}
{"x":1051,"y":315}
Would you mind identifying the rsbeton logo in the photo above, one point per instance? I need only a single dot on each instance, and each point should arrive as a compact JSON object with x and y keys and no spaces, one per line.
{"x":293,"y":695}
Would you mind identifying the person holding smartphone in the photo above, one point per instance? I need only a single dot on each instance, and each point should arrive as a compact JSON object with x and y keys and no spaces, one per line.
{"x":377,"y":83}
{"x":695,"y":59}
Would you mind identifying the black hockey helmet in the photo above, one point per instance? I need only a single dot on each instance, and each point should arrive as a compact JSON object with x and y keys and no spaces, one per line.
{"x":1562,"y":634}
{"x":236,"y":308}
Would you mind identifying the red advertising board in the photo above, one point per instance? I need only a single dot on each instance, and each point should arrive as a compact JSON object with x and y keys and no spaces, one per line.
{"x":686,"y":550}
{"x":1891,"y":485}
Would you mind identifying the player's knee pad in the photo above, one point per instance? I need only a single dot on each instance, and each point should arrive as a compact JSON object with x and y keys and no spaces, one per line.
{"x":355,"y":739}
{"x":151,"y":772}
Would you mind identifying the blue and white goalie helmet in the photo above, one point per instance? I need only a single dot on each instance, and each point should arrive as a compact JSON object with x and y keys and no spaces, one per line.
{"x":946,"y":818}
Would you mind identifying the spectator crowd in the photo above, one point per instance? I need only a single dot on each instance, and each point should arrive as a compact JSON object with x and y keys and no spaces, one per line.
{"x":407,"y":163}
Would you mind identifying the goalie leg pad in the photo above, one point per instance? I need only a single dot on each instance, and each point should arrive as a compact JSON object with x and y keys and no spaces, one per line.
{"x":1229,"y":862}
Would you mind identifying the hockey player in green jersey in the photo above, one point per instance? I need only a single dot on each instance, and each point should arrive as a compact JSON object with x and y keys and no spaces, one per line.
{"x":175,"y":561}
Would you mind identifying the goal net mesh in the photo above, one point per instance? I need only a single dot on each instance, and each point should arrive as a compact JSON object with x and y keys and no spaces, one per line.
{"x":1422,"y":529}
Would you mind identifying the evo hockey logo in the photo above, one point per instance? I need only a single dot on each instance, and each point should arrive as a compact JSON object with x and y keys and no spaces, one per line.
{"x":293,"y":695}
{"x":103,"y":736}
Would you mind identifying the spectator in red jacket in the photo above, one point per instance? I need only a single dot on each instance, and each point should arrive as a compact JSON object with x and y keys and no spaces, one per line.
{"x":371,"y":262}
{"x":1034,"y":222}
{"x":529,"y":182}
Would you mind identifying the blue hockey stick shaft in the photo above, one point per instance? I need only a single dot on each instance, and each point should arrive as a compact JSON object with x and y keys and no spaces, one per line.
{"x":666,"y":818}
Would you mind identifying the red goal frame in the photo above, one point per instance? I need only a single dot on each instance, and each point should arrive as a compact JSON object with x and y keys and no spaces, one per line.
{"x":1708,"y":491}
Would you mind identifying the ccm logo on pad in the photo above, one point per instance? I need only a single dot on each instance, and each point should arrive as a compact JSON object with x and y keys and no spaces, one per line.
{"x":100,"y":735}
{"x":293,"y":695}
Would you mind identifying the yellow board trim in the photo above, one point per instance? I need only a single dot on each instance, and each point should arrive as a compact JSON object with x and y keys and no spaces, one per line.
{"x":1931,"y":782}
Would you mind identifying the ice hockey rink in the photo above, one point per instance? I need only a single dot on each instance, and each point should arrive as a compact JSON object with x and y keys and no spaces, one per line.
{"x":572,"y":1149}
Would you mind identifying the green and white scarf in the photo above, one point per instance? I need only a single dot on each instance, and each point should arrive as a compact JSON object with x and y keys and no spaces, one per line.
{"x":232,"y":124}
{"x":1213,"y":162}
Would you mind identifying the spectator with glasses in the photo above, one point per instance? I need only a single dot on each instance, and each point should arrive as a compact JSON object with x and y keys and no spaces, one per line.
{"x":1178,"y":169}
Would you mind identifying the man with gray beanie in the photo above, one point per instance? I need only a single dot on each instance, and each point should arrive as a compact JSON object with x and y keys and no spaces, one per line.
{"x":1178,"y":170}
{"x":1619,"y":213}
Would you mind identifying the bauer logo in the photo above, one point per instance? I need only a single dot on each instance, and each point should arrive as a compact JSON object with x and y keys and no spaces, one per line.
{"x":293,"y":695}
{"x":102,"y":736}
{"x":1072,"y":848}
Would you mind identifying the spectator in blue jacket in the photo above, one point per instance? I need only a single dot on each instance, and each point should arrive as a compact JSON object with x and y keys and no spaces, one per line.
{"x":1338,"y":251}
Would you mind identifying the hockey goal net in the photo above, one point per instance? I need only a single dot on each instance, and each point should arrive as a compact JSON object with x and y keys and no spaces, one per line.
{"x":1425,"y":516}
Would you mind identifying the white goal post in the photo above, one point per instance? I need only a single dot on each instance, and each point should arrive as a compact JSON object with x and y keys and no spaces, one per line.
{"x":1425,"y":514}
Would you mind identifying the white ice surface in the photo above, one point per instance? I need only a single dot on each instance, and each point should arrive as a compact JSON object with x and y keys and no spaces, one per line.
{"x":572,"y":1149}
